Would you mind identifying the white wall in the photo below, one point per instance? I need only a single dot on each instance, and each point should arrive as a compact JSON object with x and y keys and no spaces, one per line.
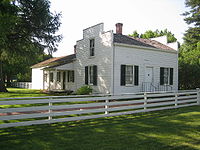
{"x":37,"y":78}
{"x":143,"y":58}
{"x":102,"y":58}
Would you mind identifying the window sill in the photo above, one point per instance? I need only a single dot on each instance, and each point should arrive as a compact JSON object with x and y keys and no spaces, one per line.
{"x":91,"y":57}
{"x":129,"y":85}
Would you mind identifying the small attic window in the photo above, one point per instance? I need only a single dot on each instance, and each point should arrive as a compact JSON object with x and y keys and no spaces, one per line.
{"x":92,"y":47}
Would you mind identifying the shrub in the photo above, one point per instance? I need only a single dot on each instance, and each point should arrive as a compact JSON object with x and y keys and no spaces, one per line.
{"x":84,"y":90}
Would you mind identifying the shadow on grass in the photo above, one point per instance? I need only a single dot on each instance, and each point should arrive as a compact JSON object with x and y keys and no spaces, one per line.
{"x":170,"y":129}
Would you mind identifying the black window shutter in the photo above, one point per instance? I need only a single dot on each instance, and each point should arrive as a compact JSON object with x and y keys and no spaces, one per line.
{"x":136,"y":75}
{"x":171,"y":76}
{"x":161,"y":76}
{"x":73,"y":76}
{"x":94,"y":75}
{"x":67,"y":76}
{"x":123,"y":72}
{"x":86,"y":75}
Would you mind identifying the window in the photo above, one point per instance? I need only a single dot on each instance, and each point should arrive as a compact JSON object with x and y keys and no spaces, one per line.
{"x":45,"y":77}
{"x":51,"y":77}
{"x":91,"y":75}
{"x":127,"y":77}
{"x":92,"y":47}
{"x":70,"y":76}
{"x":166,"y":76}
{"x":58,"y":76}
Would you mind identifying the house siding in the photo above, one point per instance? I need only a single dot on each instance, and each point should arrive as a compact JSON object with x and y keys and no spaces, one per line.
{"x":108,"y":57}
{"x":102,"y":58}
{"x":37,"y":78}
{"x":143,"y":58}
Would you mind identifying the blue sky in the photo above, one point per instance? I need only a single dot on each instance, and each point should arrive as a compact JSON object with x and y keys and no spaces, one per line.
{"x":140,"y":15}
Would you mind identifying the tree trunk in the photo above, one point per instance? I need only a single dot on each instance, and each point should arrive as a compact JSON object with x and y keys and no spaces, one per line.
{"x":2,"y":85}
{"x":8,"y":79}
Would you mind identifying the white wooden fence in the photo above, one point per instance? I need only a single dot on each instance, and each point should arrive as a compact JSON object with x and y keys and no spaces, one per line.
{"x":25,"y":85}
{"x":41,"y":110}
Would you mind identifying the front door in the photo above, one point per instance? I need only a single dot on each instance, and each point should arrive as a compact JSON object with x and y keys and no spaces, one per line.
{"x":148,"y":79}
{"x":149,"y":74}
{"x":64,"y":80}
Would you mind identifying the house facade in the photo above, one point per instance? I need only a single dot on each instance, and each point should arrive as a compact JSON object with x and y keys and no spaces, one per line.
{"x":111,"y":63}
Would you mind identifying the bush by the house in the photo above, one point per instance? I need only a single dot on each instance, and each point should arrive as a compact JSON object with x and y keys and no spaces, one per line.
{"x":84,"y":90}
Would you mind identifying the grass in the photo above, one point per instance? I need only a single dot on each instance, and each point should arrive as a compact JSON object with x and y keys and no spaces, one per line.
{"x":19,"y":92}
{"x":162,"y":130}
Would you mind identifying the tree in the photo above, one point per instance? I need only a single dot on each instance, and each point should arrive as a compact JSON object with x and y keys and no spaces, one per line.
{"x":152,"y":34}
{"x":27,"y":28}
{"x":192,"y":17}
{"x":189,"y":58}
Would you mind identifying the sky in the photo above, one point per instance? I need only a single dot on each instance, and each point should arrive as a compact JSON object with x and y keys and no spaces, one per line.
{"x":139,"y":15}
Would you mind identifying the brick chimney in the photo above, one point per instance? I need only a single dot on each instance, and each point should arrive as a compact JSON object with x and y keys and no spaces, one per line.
{"x":74,"y":49}
{"x":119,"y":28}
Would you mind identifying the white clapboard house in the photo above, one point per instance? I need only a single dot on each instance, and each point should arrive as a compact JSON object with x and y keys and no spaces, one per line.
{"x":111,"y":63}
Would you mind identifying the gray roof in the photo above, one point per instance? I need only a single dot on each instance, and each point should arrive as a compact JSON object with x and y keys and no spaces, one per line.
{"x":124,"y":39}
{"x":120,"y":38}
{"x":56,"y":61}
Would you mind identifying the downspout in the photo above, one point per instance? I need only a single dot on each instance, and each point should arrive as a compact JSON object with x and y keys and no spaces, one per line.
{"x":113,"y":65}
{"x":113,"y":70}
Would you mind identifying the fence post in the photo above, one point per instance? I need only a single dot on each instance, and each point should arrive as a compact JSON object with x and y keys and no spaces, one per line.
{"x":176,"y":99}
{"x":198,"y":96}
{"x":106,"y":106}
{"x":50,"y":105}
{"x":145,"y":100}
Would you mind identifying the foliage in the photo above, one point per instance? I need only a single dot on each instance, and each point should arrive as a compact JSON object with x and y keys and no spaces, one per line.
{"x":176,"y":129}
{"x":27,"y":28}
{"x":192,"y":17}
{"x":152,"y":34}
{"x":84,"y":90}
{"x":189,"y":57}
{"x":19,"y":92}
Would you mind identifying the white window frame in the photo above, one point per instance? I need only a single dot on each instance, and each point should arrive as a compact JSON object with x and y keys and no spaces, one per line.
{"x":58,"y":77}
{"x":129,"y":76}
{"x":92,"y":47}
{"x":166,"y":76}
{"x":70,"y":76}
{"x":45,"y":77}
{"x":90,"y":75}
{"x":51,"y":77}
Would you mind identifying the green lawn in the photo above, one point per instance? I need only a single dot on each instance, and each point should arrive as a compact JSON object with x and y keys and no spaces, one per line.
{"x":19,"y":92}
{"x":177,"y":129}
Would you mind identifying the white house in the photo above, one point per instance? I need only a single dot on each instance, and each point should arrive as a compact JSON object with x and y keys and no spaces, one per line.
{"x":111,"y":63}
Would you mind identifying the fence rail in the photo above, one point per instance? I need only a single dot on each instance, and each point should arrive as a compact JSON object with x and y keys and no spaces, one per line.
{"x":41,"y":110}
{"x":25,"y":85}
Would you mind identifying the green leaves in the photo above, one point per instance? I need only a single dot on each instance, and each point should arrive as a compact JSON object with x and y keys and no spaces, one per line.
{"x":152,"y":34}
{"x":27,"y":28}
{"x":189,"y":58}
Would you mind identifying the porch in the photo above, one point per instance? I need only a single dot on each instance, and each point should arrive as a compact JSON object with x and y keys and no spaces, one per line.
{"x":150,"y":87}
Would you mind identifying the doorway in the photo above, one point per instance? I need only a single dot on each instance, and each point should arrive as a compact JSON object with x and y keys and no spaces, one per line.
{"x":148,"y":84}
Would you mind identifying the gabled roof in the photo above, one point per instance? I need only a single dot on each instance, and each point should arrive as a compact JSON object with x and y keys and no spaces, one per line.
{"x":124,"y":39}
{"x":56,"y":61}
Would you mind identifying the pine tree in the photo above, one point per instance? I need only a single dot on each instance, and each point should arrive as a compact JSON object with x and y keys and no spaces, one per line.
{"x":189,"y":58}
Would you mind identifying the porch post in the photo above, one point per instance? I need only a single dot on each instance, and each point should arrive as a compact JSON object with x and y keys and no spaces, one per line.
{"x":55,"y":79}
{"x":145,"y":100}
{"x":198,"y":96}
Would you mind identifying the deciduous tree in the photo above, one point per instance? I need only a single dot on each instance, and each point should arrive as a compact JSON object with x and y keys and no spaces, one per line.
{"x":27,"y":28}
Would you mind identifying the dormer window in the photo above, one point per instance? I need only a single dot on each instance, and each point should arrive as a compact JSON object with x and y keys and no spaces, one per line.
{"x":91,"y":47}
